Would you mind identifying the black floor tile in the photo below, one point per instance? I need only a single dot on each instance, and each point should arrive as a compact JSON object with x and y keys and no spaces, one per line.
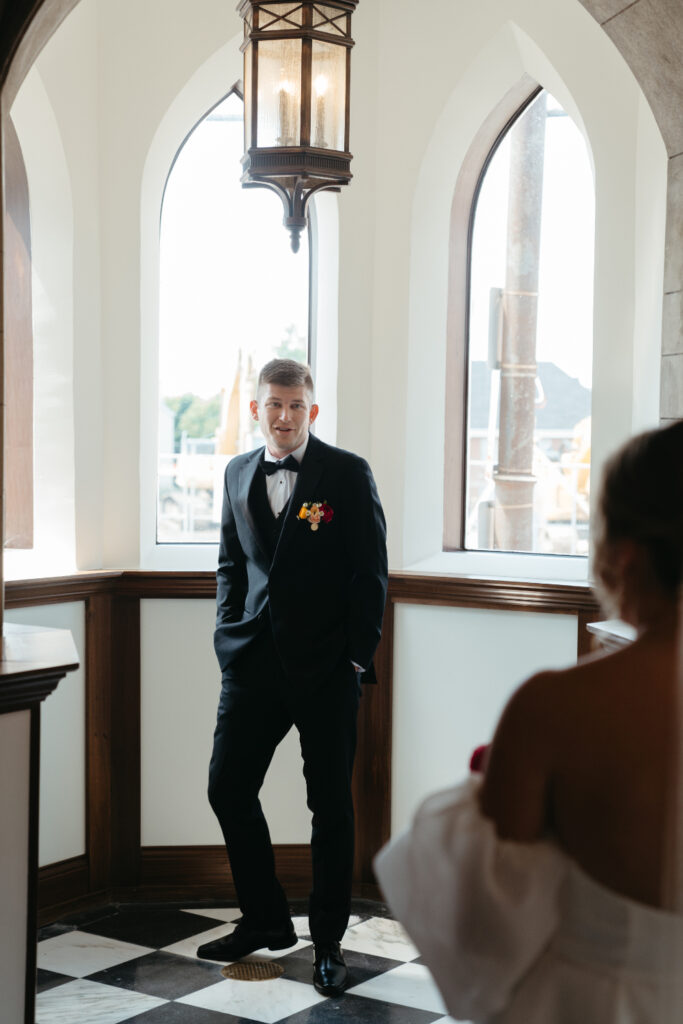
{"x":161,"y":974}
{"x":152,"y":928}
{"x":170,"y":977}
{"x":356,"y":1009}
{"x":178,"y":1013}
{"x":50,"y":930}
{"x":49,"y":979}
{"x":362,"y":966}
{"x":88,"y":917}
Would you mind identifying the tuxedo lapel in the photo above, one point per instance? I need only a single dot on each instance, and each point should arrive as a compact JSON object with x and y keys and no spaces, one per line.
{"x":305,"y":488}
{"x":244,"y":496}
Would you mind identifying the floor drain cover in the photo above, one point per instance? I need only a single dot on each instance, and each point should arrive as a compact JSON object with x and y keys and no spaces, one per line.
{"x":253,"y":970}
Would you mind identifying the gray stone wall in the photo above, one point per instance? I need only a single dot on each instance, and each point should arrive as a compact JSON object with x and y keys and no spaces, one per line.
{"x":649,"y":35}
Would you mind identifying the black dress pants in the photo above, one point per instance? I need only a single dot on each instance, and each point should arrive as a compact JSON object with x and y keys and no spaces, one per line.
{"x":259,"y":704}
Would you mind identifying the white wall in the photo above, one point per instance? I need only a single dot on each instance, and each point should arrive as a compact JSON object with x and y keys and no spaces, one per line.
{"x":171,"y":40}
{"x":454,"y":670}
{"x":52,"y":230}
{"x":181,"y":687}
{"x":69,"y":72}
{"x":62,"y":741}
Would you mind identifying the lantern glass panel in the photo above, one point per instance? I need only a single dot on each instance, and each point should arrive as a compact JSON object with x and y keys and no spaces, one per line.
{"x":276,"y":17}
{"x":328,"y":96}
{"x":330,"y":19}
{"x":279,"y":92}
{"x":247,"y":97}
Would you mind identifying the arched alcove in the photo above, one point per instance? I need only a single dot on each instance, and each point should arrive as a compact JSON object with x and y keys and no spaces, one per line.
{"x":629,"y":167}
{"x":640,"y":31}
{"x":52,"y":225}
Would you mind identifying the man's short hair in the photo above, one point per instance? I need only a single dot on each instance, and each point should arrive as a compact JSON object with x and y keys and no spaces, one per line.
{"x":288,"y":374}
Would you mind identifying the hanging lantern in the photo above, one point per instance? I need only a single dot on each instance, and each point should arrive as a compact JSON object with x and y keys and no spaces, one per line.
{"x":297,"y":63}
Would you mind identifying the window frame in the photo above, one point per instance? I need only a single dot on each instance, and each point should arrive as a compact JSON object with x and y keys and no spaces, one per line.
{"x":236,"y":89}
{"x":463,"y":210}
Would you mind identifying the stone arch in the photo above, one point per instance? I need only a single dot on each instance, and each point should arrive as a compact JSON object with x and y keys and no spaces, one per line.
{"x":649,"y":35}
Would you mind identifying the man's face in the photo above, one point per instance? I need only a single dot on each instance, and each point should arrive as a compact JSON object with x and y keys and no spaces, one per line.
{"x":285,"y":415}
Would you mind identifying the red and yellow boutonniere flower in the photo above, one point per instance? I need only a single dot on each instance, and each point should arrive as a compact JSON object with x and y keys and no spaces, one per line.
{"x":315,"y":512}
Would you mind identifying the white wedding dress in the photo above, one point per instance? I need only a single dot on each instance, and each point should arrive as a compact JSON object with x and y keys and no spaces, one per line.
{"x":516,"y":933}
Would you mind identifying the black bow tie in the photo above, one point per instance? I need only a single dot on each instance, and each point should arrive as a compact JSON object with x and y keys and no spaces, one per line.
{"x":289,"y":463}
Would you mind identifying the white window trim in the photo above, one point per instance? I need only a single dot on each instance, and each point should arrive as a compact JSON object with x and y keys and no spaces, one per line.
{"x":190,"y":107}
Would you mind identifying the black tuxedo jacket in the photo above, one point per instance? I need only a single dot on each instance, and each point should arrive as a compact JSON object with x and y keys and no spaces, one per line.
{"x":324,"y":590}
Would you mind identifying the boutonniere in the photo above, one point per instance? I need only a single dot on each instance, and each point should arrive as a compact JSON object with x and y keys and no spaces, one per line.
{"x":316,"y":512}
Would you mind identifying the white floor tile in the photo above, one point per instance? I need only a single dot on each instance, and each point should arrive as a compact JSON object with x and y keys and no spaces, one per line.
{"x":79,"y":1001}
{"x":189,"y":946}
{"x":354,"y":920}
{"x":217,"y":913}
{"x":265,"y":1001}
{"x":79,"y":953}
{"x":380,"y":937}
{"x":409,"y":985}
{"x":274,"y":954}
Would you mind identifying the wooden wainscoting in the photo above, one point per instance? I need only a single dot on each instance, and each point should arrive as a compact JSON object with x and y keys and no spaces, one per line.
{"x":115,"y":867}
{"x":202,"y":873}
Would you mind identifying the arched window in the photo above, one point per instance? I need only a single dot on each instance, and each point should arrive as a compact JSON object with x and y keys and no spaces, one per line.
{"x":232,"y":296}
{"x":529,"y":341}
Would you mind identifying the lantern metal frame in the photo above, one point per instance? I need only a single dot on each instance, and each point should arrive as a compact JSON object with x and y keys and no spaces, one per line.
{"x":295,"y":173}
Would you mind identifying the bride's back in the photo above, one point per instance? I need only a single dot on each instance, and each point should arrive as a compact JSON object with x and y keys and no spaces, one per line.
{"x":590,"y":754}
{"x":611,"y":748}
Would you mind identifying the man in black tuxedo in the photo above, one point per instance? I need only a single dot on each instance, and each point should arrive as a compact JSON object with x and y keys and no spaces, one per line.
{"x":302,"y":576}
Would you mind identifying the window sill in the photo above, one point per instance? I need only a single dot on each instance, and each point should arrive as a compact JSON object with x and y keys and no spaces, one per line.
{"x":180,"y":557}
{"x":505,"y":565}
{"x":32,"y":564}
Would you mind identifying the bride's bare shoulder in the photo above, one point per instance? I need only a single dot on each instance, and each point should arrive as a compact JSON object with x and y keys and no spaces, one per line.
{"x":548,"y":697}
{"x":552,"y":698}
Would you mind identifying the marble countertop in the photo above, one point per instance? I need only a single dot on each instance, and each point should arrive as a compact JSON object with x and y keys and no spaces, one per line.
{"x":27,"y":650}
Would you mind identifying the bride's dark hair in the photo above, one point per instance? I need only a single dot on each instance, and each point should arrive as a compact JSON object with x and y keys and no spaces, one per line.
{"x":641,"y":499}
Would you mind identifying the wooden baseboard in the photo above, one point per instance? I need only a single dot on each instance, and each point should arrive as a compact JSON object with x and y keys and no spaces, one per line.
{"x":171,"y":874}
{"x":62,"y":888}
{"x":367,"y":891}
{"x":202,"y":872}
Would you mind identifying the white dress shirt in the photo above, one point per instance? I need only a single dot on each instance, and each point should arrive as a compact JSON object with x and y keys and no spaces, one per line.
{"x":281,"y":484}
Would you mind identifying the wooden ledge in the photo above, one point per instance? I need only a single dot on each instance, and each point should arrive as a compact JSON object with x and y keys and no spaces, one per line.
{"x":612,"y":634}
{"x":491,"y":592}
{"x":34,"y":660}
{"x":404,"y":587}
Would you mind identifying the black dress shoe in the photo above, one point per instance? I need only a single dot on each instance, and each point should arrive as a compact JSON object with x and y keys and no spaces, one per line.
{"x":330,"y":974}
{"x":245,"y":940}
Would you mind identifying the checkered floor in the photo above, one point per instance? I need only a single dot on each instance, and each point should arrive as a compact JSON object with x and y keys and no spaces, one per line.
{"x":137,"y":964}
